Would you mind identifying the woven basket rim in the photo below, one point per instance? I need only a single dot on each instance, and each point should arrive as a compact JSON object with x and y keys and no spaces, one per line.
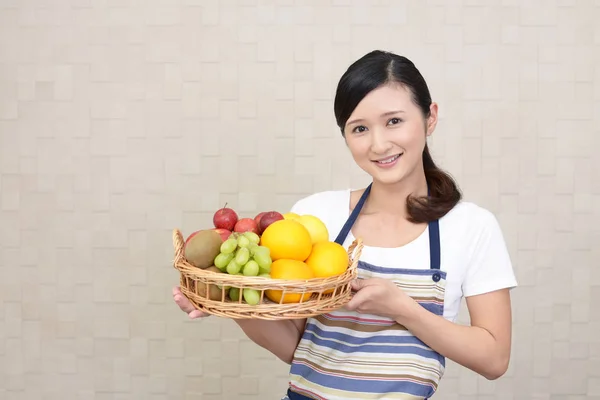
{"x":325,"y":293}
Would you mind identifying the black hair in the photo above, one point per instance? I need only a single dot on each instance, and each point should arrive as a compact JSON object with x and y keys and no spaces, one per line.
{"x":379,"y":68}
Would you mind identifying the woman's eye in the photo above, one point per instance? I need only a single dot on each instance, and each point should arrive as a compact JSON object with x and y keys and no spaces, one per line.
{"x":394,"y":121}
{"x":359,"y":129}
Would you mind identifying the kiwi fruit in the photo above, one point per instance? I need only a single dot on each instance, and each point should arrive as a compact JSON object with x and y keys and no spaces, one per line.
{"x":202,"y":249}
{"x":214,"y":293}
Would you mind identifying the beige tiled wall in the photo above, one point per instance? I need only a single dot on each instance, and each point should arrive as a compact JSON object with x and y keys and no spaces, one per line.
{"x":121,"y":120}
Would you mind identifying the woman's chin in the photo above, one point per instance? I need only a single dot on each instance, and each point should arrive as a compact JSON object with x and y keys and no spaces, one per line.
{"x":387,"y":177}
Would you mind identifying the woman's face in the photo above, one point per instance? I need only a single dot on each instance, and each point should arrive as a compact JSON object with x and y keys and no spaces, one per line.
{"x":387,"y":133}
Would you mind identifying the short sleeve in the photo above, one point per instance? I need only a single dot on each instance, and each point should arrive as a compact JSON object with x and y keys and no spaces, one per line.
{"x":490,"y":267}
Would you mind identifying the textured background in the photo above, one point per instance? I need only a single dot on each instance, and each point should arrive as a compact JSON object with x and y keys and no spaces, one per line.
{"x":121,"y":120}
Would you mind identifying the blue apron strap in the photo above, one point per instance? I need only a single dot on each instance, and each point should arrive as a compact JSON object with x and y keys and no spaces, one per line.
{"x":434,"y":244}
{"x":341,"y":237}
{"x":434,"y":241}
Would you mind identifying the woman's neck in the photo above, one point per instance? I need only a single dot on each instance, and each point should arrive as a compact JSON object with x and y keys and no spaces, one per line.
{"x":390,"y":199}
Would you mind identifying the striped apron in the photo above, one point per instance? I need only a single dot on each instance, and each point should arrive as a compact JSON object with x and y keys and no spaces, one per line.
{"x":346,"y":355}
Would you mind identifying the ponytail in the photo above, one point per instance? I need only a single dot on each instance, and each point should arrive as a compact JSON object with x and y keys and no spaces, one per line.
{"x":443,"y":193}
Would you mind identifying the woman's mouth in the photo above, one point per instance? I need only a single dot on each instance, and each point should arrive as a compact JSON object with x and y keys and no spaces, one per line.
{"x":388,"y":162}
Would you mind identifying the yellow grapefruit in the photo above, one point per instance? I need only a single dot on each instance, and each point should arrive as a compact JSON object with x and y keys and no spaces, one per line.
{"x":290,"y":215}
{"x":328,"y":259}
{"x":288,"y":239}
{"x":289,"y":270}
{"x":317,"y":229}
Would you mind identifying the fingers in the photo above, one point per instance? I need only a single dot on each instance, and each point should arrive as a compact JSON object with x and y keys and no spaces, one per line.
{"x":186,"y":305}
{"x":361,"y":283}
{"x":356,"y":301}
{"x":357,"y":284}
{"x":197,"y":314}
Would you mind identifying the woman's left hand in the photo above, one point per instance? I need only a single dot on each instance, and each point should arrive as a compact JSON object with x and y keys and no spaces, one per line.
{"x":379,"y":297}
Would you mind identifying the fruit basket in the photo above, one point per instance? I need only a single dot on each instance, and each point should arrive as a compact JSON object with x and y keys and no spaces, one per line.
{"x":235,"y":295}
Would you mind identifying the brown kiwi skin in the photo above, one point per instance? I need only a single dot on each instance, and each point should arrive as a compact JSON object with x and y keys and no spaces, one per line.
{"x":214,"y":293}
{"x":203,"y":248}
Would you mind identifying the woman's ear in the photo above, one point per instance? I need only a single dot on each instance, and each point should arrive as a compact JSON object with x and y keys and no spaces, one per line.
{"x":433,"y":118}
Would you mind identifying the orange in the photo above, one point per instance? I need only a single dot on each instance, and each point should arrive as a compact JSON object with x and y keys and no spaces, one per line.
{"x":289,"y":270}
{"x":328,"y":259}
{"x":317,"y":229}
{"x":288,"y":239}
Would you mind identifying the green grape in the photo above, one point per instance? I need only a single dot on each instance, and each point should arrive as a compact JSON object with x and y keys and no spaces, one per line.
{"x":222,"y":260}
{"x":234,"y":294}
{"x":251,"y":268}
{"x":265,"y":275}
{"x":233,"y":236}
{"x":243,"y":241}
{"x":265,"y":270}
{"x":233,"y":268}
{"x":263,"y":251}
{"x":252,"y":248}
{"x":251,"y":296}
{"x":242,"y":256}
{"x":253,"y":237}
{"x":262,"y":255}
{"x":229,"y":246}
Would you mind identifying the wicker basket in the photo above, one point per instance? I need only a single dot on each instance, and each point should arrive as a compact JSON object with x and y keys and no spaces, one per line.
{"x":194,"y":280}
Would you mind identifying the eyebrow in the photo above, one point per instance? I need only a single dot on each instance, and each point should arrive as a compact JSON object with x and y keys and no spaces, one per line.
{"x":386,"y":114}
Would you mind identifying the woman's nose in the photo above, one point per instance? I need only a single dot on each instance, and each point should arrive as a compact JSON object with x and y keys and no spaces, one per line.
{"x":379,"y":143}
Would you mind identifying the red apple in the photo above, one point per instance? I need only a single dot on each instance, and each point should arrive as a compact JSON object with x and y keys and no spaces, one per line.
{"x":225,"y":218}
{"x":268,"y":218}
{"x":258,"y":217}
{"x":246,"y":225}
{"x":223,"y":232}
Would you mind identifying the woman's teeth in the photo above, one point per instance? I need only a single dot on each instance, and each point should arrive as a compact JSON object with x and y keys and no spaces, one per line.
{"x":389,"y":160}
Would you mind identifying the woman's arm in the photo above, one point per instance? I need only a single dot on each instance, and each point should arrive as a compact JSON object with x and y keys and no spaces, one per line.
{"x":484,"y":347}
{"x":279,"y":337}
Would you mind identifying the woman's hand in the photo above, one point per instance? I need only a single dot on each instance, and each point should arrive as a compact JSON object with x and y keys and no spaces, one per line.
{"x":185,"y":305}
{"x":380,"y":297}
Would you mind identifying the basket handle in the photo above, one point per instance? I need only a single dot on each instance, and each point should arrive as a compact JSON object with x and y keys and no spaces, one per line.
{"x":178,"y":244}
{"x":355,"y":249}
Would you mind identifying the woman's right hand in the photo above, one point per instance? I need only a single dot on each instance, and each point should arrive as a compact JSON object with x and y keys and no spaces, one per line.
{"x":186,"y":306}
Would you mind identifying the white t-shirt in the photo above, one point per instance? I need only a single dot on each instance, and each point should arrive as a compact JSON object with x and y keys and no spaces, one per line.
{"x":473,"y":250}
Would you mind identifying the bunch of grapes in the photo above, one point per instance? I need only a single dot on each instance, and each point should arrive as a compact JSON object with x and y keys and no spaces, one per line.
{"x":241,"y":254}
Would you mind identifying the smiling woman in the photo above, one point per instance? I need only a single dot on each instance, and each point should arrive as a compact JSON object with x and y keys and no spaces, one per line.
{"x":385,"y":112}
{"x":425,"y":249}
